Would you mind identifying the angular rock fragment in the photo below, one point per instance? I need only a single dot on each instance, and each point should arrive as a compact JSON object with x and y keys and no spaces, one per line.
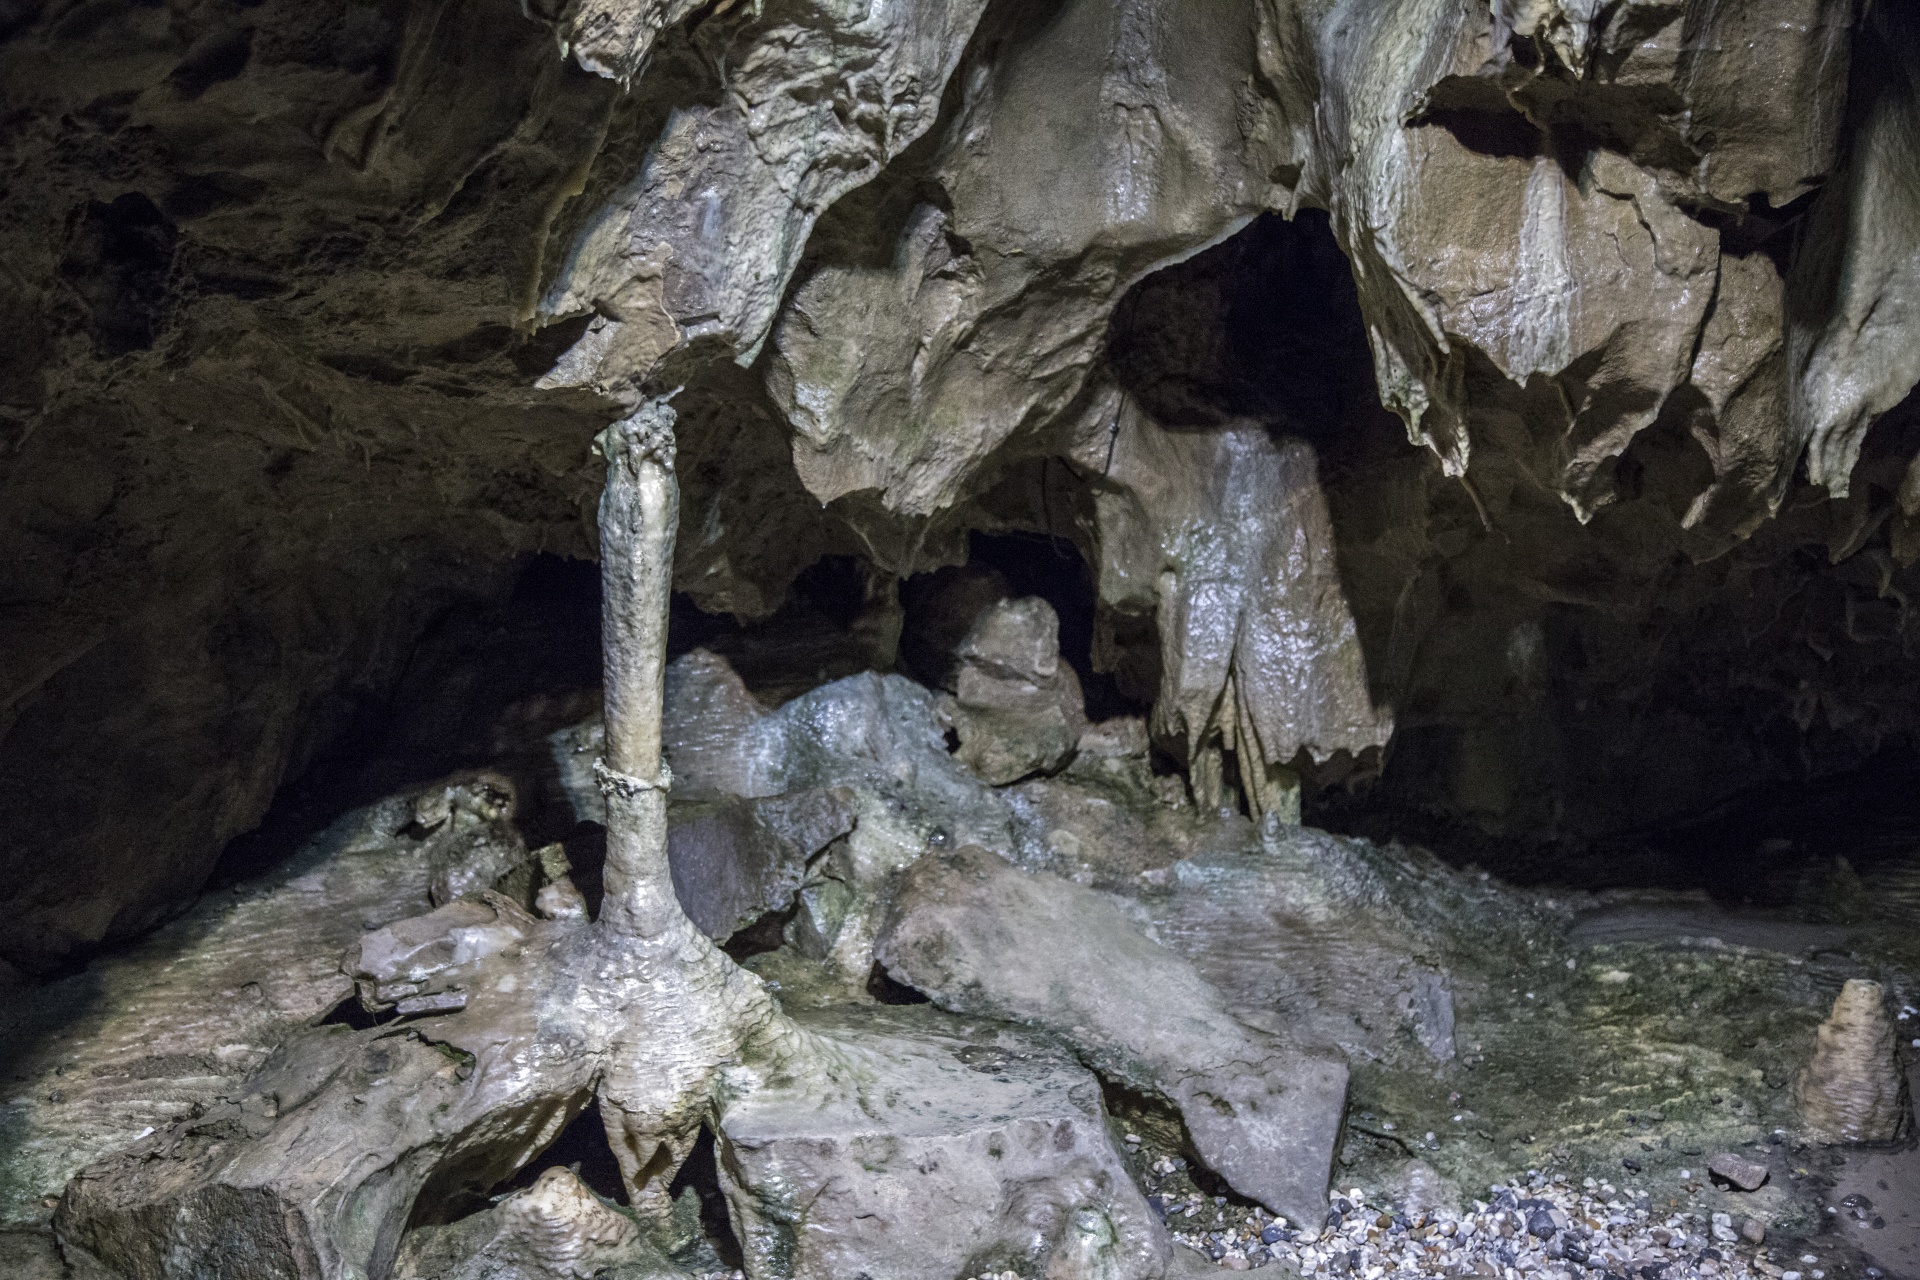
{"x":736,"y":860}
{"x":1852,"y":1090}
{"x":1017,"y":708}
{"x":932,"y":1149}
{"x":471,"y":839}
{"x":1747,"y":1175}
{"x":422,"y":954}
{"x":982,"y":937}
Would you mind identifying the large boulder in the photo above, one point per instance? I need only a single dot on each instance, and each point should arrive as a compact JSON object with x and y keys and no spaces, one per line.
{"x":936,"y":1149}
{"x":1017,"y":708}
{"x":982,"y":937}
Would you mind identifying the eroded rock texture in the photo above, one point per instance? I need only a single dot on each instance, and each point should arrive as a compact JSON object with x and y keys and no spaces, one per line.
{"x":1502,"y":409}
{"x":319,"y":313}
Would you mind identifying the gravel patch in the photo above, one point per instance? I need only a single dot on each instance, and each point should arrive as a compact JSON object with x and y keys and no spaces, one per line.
{"x":1542,"y":1225}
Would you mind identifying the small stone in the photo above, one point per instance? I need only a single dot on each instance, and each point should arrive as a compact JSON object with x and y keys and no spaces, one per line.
{"x":1630,"y":1165}
{"x":1753,"y":1231}
{"x":1234,"y":1262}
{"x":1747,"y":1175}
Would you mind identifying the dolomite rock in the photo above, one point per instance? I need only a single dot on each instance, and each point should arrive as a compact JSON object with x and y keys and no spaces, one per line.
{"x":701,"y":244}
{"x":986,"y":313}
{"x":977,"y":935}
{"x":1745,"y":1174}
{"x":347,"y":1136}
{"x":936,"y":1149}
{"x":1852,"y":1091}
{"x":1484,"y":134}
{"x":877,"y":737}
{"x":1016,"y":707}
{"x":141,"y":1038}
{"x":1855,"y":302}
{"x":734,"y":861}
{"x":471,"y":839}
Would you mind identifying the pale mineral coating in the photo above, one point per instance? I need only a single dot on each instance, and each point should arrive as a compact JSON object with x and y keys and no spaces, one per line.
{"x":1851,"y":1090}
{"x":137,"y":1041}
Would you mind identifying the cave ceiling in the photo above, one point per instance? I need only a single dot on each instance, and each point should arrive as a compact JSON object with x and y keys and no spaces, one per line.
{"x":1504,"y":407}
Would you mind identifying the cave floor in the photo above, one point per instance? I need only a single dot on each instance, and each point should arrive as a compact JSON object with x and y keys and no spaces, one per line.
{"x":1604,"y":1045}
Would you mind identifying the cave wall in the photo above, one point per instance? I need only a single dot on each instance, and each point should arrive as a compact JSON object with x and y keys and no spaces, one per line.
{"x":1509,"y":402}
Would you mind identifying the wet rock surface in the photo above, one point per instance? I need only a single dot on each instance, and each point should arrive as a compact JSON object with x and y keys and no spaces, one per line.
{"x":1017,"y":707}
{"x":1486,"y":423}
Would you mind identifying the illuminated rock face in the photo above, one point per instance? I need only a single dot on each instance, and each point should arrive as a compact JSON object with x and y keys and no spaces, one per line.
{"x":1501,"y":412}
{"x":320,"y":314}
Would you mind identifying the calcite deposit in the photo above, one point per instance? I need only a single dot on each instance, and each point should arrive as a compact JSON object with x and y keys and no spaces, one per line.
{"x":1039,"y":457}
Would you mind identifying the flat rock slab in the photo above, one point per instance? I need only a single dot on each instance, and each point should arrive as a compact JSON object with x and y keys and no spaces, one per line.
{"x":982,"y":937}
{"x":930,"y":1148}
{"x":1315,"y":934}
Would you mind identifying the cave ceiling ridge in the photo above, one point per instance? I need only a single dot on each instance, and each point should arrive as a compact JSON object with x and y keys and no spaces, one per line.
{"x":815,"y":100}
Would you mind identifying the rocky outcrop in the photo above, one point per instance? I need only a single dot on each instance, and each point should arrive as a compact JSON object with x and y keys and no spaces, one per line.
{"x":322,"y":312}
{"x":1316,"y":936}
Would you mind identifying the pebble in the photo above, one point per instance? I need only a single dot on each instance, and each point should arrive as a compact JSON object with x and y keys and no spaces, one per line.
{"x":1748,"y":1175}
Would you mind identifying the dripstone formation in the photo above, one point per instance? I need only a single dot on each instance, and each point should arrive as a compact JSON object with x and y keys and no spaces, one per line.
{"x":1035,"y":455}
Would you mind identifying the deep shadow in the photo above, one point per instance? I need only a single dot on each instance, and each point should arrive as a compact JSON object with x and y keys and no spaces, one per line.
{"x":701,"y":1175}
{"x":1264,"y":325}
{"x":484,"y":686}
{"x":582,"y":1146}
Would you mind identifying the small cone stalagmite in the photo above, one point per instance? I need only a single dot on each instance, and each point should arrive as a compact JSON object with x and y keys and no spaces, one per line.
{"x":1851,"y":1091}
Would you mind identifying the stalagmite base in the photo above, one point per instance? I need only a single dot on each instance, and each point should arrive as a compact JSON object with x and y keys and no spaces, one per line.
{"x":320,"y":1168}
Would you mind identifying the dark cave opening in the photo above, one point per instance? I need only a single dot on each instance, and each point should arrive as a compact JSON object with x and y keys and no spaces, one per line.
{"x":1264,"y":325}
